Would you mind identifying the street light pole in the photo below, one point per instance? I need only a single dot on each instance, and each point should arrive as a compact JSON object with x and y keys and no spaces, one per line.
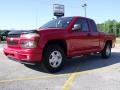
{"x":85,"y":7}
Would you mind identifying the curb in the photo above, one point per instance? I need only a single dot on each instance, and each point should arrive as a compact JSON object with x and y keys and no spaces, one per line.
{"x":3,"y":42}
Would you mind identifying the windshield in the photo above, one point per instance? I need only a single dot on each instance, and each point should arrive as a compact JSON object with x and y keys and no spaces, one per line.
{"x":58,"y":23}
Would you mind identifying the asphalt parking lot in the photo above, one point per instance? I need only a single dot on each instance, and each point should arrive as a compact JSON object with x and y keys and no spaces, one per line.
{"x":85,"y":73}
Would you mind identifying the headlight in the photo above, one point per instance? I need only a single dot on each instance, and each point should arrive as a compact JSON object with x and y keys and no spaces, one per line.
{"x":28,"y":43}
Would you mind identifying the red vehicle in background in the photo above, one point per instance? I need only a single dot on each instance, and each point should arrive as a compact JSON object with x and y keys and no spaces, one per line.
{"x":58,"y":39}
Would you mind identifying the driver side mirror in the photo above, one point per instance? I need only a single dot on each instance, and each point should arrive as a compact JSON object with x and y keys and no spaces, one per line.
{"x":76,"y":27}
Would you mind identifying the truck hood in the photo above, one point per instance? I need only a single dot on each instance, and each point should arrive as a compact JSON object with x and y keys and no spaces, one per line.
{"x":50,"y":29}
{"x":17,"y":33}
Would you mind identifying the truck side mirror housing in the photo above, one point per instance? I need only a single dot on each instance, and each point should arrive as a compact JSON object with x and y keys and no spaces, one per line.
{"x":76,"y":27}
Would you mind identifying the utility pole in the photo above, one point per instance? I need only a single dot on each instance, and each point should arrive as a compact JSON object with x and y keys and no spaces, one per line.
{"x":85,"y":7}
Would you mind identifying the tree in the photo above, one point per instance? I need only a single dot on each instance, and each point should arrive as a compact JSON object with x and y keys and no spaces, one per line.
{"x":118,"y":29}
{"x":111,"y":26}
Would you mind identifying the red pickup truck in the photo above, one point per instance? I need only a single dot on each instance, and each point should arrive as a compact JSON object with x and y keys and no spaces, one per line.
{"x":58,"y":39}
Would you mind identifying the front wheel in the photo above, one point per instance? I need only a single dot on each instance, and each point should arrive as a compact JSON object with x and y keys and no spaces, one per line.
{"x":54,"y":58}
{"x":106,"y":51}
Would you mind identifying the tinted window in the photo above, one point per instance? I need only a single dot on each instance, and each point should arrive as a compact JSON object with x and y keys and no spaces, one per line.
{"x":83,"y":24}
{"x":58,"y":23}
{"x":93,"y":26}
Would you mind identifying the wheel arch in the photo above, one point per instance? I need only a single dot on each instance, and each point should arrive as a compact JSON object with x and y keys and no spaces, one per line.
{"x":109,"y":42}
{"x":62,"y":43}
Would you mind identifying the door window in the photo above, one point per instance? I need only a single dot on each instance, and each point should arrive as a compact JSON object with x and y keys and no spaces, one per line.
{"x":82,"y":24}
{"x":93,"y":26}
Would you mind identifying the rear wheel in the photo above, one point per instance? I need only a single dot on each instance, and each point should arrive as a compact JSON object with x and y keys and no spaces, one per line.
{"x":53,"y":58}
{"x":106,"y":51}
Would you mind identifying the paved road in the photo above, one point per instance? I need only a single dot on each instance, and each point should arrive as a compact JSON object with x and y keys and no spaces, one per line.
{"x":85,"y":73}
{"x":2,"y":44}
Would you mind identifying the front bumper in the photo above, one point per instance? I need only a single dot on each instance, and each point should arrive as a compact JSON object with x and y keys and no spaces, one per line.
{"x":28,"y":55}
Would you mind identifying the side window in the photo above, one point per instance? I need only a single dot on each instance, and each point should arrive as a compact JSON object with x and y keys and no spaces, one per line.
{"x":77,"y":25}
{"x":83,"y":25}
{"x":93,"y":26}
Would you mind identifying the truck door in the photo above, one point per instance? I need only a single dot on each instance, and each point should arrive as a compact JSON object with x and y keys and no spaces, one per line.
{"x":80,"y":41}
{"x":94,"y":35}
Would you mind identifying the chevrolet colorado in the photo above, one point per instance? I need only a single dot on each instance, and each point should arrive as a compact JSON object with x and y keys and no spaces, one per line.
{"x":58,"y":39}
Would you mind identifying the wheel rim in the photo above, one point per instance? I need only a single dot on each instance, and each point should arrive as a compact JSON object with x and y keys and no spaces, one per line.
{"x":108,"y":51}
{"x":55,"y":59}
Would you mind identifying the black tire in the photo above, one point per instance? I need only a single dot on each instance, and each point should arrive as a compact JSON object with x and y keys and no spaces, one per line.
{"x":49,"y":56}
{"x":106,"y":53}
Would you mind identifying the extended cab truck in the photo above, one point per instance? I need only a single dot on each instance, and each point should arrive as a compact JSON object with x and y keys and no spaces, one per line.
{"x":56,"y":40}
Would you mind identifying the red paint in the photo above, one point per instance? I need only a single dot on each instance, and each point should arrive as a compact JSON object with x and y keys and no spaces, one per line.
{"x":77,"y":42}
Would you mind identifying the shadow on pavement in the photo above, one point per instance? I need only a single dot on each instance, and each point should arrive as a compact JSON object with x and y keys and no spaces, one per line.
{"x":85,"y":63}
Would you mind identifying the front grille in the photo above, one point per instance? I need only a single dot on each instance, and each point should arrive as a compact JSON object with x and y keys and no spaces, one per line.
{"x":12,"y":42}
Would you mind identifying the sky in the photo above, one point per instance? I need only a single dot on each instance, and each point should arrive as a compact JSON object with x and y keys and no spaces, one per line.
{"x":31,"y":14}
